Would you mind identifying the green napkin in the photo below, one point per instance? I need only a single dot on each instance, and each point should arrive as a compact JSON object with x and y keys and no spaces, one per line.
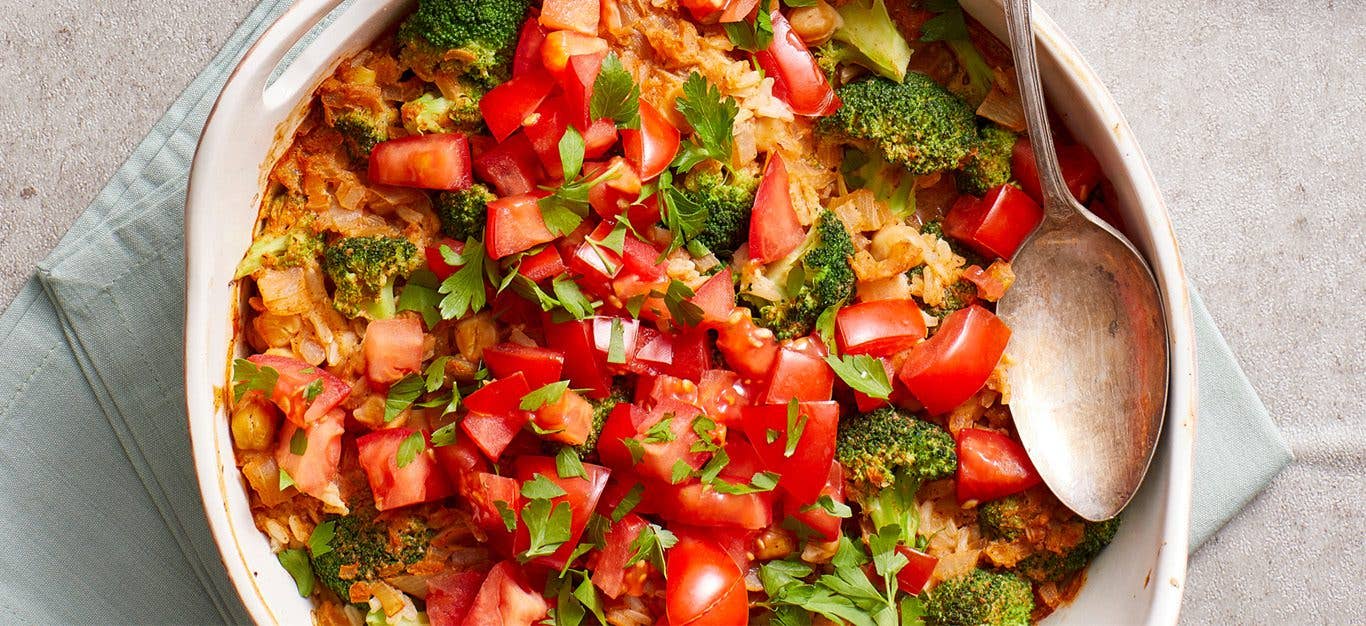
{"x":101,"y":512}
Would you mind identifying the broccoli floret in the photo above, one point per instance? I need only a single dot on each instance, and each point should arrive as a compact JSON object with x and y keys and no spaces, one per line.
{"x":1006,"y":518}
{"x":291,"y":248}
{"x":890,"y":184}
{"x":361,"y":130}
{"x":365,"y":548}
{"x":364,"y":270}
{"x":464,"y":212}
{"x":990,"y":165}
{"x":601,"y":409}
{"x":827,"y":279}
{"x":1053,"y":566}
{"x":474,"y":38}
{"x":916,"y":123}
{"x":431,"y":113}
{"x":981,"y":598}
{"x":886,"y":455}
{"x":868,"y":37}
{"x":727,"y":204}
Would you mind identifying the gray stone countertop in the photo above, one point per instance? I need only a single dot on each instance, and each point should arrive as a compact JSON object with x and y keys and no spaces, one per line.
{"x":1253,"y":116}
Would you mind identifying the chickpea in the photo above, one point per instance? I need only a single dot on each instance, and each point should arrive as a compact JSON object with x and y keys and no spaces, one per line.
{"x":475,"y":333}
{"x":253,"y":424}
{"x":774,"y":543}
{"x":815,"y":24}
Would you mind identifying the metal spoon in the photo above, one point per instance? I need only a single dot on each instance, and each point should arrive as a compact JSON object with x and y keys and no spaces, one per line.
{"x":1088,"y":386}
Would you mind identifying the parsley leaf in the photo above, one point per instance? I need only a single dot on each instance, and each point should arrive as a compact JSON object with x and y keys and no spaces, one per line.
{"x":568,"y":464}
{"x":650,"y":545}
{"x":756,"y":36}
{"x":680,"y":308}
{"x":320,"y":541}
{"x":444,"y":436}
{"x":248,"y":376}
{"x":547,"y":525}
{"x":547,"y":394}
{"x":435,"y":374}
{"x":863,"y":373}
{"x":661,"y":431}
{"x":681,"y":471}
{"x":760,"y":482}
{"x":509,"y":516}
{"x":286,"y":481}
{"x":711,"y":115}
{"x":313,"y":390}
{"x":571,"y":298}
{"x":541,"y":488}
{"x":713,"y":466}
{"x":683,"y":217}
{"x":628,"y":502}
{"x":401,"y":396}
{"x":298,"y":442}
{"x":464,"y":289}
{"x":615,"y":94}
{"x":634,"y":446}
{"x":828,"y":504}
{"x":825,"y":327}
{"x":796,"y":423}
{"x":420,"y":294}
{"x":616,"y":343}
{"x":409,"y":448}
{"x":295,"y":561}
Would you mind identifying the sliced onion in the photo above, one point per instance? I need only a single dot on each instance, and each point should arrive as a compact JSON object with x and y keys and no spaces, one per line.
{"x":283,"y":291}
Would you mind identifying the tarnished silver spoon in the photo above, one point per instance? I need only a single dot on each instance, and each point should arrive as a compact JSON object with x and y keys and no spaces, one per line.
{"x":1088,"y":386}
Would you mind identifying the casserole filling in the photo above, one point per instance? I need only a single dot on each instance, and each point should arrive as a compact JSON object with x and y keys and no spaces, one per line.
{"x":653,"y":311}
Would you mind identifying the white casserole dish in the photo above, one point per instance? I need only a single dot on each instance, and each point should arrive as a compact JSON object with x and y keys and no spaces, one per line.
{"x":1138,"y":579}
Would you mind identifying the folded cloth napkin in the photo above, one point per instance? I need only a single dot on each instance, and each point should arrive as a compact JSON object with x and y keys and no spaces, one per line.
{"x":100,"y":515}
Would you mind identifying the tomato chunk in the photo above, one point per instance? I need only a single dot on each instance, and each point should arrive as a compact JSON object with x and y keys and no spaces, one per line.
{"x":450,"y":594}
{"x":800,"y":372}
{"x":879,"y":327}
{"x":295,"y":378}
{"x":703,"y":506}
{"x":528,"y":55}
{"x":392,"y":349}
{"x":507,"y":106}
{"x":315,"y":469}
{"x":561,"y":45}
{"x":825,"y":525}
{"x":515,"y":224}
{"x":913,"y":577}
{"x":577,"y":80}
{"x":540,"y":366}
{"x":568,"y":420}
{"x":434,"y":161}
{"x":436,"y":262}
{"x":996,"y":224}
{"x":991,"y":465}
{"x":797,"y":79}
{"x":948,"y":368}
{"x":499,"y":396}
{"x":652,"y":147}
{"x":774,"y":231}
{"x":574,"y":339}
{"x":506,"y":599}
{"x":811,"y":440}
{"x":484,"y":492}
{"x":581,"y":494}
{"x":543,"y":265}
{"x":1080,"y":170}
{"x":610,"y":574}
{"x":418,"y":480}
{"x":716,"y":298}
{"x":705,"y":586}
{"x":511,"y":166}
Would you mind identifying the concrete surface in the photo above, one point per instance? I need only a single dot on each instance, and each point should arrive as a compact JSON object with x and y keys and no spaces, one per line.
{"x":1252,"y":114}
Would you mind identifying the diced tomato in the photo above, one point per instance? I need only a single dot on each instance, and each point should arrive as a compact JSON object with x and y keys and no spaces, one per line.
{"x":567,"y":420}
{"x":506,"y":599}
{"x":602,"y":336}
{"x":1080,"y":170}
{"x":418,"y":481}
{"x":599,"y":138}
{"x":913,"y":577}
{"x":314,"y":471}
{"x":800,"y":372}
{"x":581,"y":493}
{"x":543,"y":265}
{"x":691,"y":355}
{"x":493,"y":433}
{"x":705,"y":586}
{"x":560,"y":45}
{"x":722,"y":395}
{"x":576,"y":15}
{"x":738,"y":10}
{"x":805,"y":468}
{"x":503,"y":395}
{"x":529,"y":41}
{"x":580,"y":74}
{"x":622,"y":423}
{"x":866,"y":403}
{"x":461,"y":461}
{"x":546,"y":131}
{"x":704,"y":11}
{"x":673,"y":443}
{"x":574,"y":339}
{"x":515,"y":224}
{"x":511,"y":166}
{"x":433,"y":161}
{"x":991,"y":465}
{"x":988,"y":283}
{"x":540,"y":366}
{"x":652,"y":147}
{"x":437,"y":263}
{"x":996,"y":224}
{"x":773,"y":227}
{"x":507,"y":106}
{"x":615,"y":194}
{"x":484,"y":491}
{"x":879,"y":327}
{"x":610,"y":573}
{"x":716,"y":298}
{"x":450,"y":594}
{"x":392,"y":349}
{"x":749,"y":349}
{"x":703,"y":506}
{"x":797,"y":79}
{"x":295,"y":377}
{"x":948,"y":368}
{"x":820,"y":521}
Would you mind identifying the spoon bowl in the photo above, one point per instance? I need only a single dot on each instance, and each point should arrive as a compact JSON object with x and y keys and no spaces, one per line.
{"x":1088,"y":382}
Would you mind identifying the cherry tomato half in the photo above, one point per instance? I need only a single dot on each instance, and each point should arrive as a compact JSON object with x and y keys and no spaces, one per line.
{"x":705,"y":586}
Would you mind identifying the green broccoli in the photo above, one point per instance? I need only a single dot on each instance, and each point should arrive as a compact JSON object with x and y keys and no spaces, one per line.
{"x":727,"y":203}
{"x":362,"y":131}
{"x":1052,"y":566}
{"x":951,"y":28}
{"x":364,"y":270}
{"x":867,"y":37}
{"x":1006,"y":518}
{"x":601,"y":409}
{"x":464,"y":212}
{"x":981,"y":598}
{"x":916,"y":123}
{"x":374,"y":547}
{"x":826,"y":279}
{"x":890,"y":184}
{"x":291,"y":248}
{"x":886,"y":455}
{"x":473,"y":38}
{"x":431,"y":113}
{"x":989,"y":167}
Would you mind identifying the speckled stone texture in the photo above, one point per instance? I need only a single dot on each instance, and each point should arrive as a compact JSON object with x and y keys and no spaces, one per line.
{"x":1252,"y":114}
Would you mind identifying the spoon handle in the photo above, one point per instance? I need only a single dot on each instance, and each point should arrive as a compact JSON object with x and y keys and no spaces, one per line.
{"x":1058,"y":201}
